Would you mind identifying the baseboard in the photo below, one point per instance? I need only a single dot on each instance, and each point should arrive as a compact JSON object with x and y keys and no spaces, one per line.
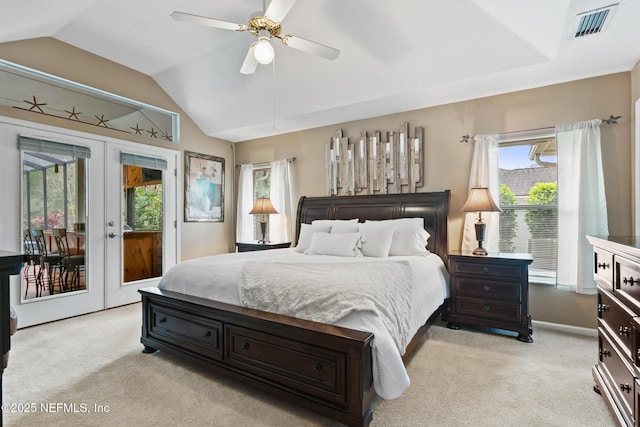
{"x":578,"y":330}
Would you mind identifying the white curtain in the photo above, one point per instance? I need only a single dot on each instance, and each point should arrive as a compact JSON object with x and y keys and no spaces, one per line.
{"x":280,"y":223}
{"x":244,"y":223}
{"x":582,"y":206}
{"x":484,"y":173}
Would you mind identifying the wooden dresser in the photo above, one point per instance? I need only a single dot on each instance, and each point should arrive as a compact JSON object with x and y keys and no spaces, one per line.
{"x":617,"y":373}
{"x":490,"y":291}
{"x":10,"y":264}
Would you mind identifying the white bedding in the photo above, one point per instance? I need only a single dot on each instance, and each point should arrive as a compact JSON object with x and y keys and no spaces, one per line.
{"x":217,"y":277}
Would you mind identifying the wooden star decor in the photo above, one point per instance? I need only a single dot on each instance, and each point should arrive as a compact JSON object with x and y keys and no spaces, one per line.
{"x":73,"y":114}
{"x":101,"y":120}
{"x":137,"y":130}
{"x":152,"y":133}
{"x":166,"y":136}
{"x":35,"y":104}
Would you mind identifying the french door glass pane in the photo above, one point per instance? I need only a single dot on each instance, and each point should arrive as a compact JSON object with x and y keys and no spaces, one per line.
{"x":143,"y":222}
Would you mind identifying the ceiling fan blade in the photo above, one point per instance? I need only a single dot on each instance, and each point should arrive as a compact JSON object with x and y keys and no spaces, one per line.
{"x":278,"y":9}
{"x":250,"y":62}
{"x":201,"y":20}
{"x":310,"y":47}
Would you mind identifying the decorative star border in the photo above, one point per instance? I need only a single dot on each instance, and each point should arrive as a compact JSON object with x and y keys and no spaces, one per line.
{"x":73,"y":115}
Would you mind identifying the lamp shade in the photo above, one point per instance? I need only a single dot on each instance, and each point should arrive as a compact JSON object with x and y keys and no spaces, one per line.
{"x":480,"y":200}
{"x":263,"y":206}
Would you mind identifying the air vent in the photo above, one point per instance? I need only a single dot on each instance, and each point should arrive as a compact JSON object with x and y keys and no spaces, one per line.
{"x":594,"y":21}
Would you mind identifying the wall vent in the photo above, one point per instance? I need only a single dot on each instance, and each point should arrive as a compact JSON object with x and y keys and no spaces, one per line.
{"x":594,"y":21}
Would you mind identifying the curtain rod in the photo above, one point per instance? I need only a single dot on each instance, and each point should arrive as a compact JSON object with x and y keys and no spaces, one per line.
{"x":265,"y":164}
{"x":612,"y":120}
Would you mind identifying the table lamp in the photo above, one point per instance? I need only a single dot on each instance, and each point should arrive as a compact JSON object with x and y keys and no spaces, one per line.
{"x":480,"y":200}
{"x":263,"y":207}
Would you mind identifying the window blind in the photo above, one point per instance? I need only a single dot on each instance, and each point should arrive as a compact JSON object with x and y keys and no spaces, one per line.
{"x":26,"y":143}
{"x":143,"y":161}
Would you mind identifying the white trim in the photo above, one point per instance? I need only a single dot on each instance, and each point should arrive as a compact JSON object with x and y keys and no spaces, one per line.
{"x":635,"y":182}
{"x":578,"y":330}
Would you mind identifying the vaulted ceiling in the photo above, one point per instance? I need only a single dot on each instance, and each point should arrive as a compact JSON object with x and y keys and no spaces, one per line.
{"x":394,"y":56}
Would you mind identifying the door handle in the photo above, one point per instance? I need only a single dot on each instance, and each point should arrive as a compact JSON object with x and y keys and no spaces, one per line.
{"x":112,"y":235}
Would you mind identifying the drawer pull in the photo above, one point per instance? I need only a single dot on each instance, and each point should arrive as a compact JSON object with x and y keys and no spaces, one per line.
{"x":317,"y":367}
{"x":624,"y":330}
{"x":486,"y":288}
{"x":604,"y":352}
{"x":245,"y":346}
{"x":163,"y":320}
{"x":486,"y":307}
{"x":625,"y":387}
{"x":630,"y":281}
{"x":603,"y":307}
{"x":603,"y":265}
{"x":207,"y":334}
{"x":486,"y":269}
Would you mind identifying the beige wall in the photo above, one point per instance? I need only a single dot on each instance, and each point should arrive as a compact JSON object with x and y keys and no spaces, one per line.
{"x":54,"y":57}
{"x":447,"y":161}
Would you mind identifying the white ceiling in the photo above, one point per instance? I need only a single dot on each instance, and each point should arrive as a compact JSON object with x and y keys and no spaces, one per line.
{"x":394,"y":55}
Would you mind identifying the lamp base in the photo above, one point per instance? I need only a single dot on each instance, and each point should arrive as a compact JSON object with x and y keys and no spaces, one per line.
{"x":480,"y":251}
{"x":263,"y":230}
{"x":480,"y":227}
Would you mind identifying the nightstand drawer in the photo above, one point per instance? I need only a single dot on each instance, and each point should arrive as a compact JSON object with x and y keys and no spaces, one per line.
{"x":510,"y":312}
{"x":494,"y":290}
{"x":485,"y":269}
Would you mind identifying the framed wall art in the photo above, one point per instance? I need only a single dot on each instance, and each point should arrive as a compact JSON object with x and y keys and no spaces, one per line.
{"x":204,"y":188}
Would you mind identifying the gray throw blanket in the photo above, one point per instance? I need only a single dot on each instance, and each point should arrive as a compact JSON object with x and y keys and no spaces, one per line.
{"x":327,"y":292}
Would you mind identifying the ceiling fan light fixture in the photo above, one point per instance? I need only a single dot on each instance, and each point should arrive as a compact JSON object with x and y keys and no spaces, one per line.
{"x":264,"y":51}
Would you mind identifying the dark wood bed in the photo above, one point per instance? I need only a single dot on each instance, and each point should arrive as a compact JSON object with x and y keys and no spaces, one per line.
{"x":323,"y":368}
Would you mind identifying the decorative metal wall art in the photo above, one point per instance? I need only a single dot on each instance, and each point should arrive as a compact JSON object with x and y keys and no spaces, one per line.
{"x":376,"y":163}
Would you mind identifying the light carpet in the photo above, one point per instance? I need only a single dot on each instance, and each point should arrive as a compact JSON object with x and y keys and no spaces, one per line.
{"x":90,"y":371}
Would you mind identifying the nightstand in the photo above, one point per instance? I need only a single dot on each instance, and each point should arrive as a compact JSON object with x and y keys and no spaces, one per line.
{"x":255,"y":246}
{"x":490,"y":291}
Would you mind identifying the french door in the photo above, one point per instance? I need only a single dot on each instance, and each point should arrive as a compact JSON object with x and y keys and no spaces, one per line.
{"x":141,"y":219}
{"x":83,"y":184}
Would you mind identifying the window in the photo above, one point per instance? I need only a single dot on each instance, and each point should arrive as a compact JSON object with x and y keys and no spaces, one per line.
{"x":50,"y":191}
{"x":528,"y":198}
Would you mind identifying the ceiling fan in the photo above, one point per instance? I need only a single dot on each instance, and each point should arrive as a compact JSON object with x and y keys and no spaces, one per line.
{"x":265,"y":27}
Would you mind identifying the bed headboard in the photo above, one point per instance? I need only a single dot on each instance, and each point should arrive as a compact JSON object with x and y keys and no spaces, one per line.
{"x":432,"y":207}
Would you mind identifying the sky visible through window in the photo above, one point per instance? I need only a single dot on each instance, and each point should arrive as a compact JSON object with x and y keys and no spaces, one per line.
{"x":517,"y":157}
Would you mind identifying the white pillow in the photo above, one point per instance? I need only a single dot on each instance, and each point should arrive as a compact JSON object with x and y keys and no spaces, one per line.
{"x":376,"y":238}
{"x":306,"y":233}
{"x":340,"y":225}
{"x":342,"y":244}
{"x":409,"y":237}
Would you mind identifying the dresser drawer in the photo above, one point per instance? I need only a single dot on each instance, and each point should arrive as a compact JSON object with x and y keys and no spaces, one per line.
{"x":485,"y":269}
{"x":627,"y":281}
{"x":603,"y":263}
{"x":487,"y":289}
{"x":617,"y":320}
{"x":618,"y":374}
{"x":199,"y":334}
{"x":510,"y":312}
{"x":317,"y":371}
